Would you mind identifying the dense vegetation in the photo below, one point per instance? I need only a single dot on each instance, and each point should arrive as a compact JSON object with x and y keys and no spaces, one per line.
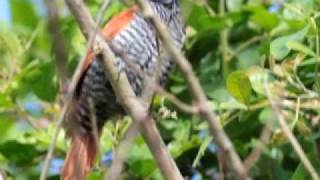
{"x":244,"y":52}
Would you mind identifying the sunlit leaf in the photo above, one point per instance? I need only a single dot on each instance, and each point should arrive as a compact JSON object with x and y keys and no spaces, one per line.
{"x":260,"y":78}
{"x":239,"y":86}
{"x":279,"y":48}
{"x":293,"y":45}
{"x":26,"y":19}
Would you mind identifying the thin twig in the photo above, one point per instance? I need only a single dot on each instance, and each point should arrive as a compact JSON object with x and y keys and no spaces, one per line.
{"x":245,"y":45}
{"x":68,"y":98}
{"x":127,"y":98}
{"x":94,"y":125}
{"x":224,"y":38}
{"x":47,"y":161}
{"x":177,"y":102}
{"x":213,"y":120}
{"x":122,"y":152}
{"x":292,"y":139}
{"x":32,"y":122}
{"x":3,"y":175}
{"x":59,"y":44}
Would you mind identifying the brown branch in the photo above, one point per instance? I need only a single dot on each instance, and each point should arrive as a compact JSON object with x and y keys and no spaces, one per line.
{"x":222,"y":139}
{"x":69,"y":94}
{"x":177,"y":102}
{"x":3,"y":175}
{"x":292,"y":139}
{"x":121,"y":86}
{"x":122,"y":152}
{"x":59,"y":44}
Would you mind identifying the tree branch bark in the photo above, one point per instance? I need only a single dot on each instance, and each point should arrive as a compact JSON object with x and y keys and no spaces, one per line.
{"x":59,"y":45}
{"x":222,"y":139}
{"x":121,"y":86}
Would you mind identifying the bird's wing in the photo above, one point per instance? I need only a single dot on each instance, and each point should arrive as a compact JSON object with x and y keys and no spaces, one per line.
{"x":110,"y":30}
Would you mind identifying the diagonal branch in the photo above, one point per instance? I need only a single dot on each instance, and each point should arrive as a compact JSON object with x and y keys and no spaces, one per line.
{"x":292,"y":139}
{"x":177,"y":102}
{"x":121,"y":152}
{"x":137,"y":110}
{"x":59,"y":44}
{"x":68,"y":101}
{"x":198,"y":94}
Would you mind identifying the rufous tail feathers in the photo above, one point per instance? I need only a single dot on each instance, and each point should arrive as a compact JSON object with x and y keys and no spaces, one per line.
{"x":80,"y":157}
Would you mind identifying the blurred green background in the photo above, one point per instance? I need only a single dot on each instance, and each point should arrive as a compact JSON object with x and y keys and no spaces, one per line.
{"x":237,"y":49}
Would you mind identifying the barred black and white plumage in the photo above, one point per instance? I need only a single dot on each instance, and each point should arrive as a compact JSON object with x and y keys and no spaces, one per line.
{"x":139,"y":42}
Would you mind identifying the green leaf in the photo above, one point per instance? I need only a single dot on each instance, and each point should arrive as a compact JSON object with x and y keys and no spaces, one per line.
{"x":297,"y":46}
{"x":23,"y":13}
{"x":6,"y":123}
{"x":42,"y":81}
{"x":18,"y":153}
{"x":266,"y":115}
{"x":10,"y":42}
{"x":178,"y":148}
{"x":239,"y":86}
{"x":5,"y":100}
{"x":234,"y":5}
{"x":95,"y":176}
{"x":202,"y":149}
{"x":259,"y":77}
{"x":182,"y":132}
{"x":263,"y":18}
{"x":279,"y":48}
{"x":248,"y":57}
{"x":143,"y":167}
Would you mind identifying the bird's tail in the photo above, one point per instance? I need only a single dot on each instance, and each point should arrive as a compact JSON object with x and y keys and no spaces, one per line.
{"x":80,"y":157}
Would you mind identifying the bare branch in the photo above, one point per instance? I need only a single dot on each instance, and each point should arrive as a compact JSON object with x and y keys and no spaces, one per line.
{"x":179,"y":104}
{"x":121,"y":86}
{"x":121,"y":153}
{"x":3,"y":175}
{"x":59,"y":45}
{"x":198,"y":94}
{"x":68,"y":98}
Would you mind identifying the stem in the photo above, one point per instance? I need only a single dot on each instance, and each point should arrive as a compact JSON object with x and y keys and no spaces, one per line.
{"x":224,"y":41}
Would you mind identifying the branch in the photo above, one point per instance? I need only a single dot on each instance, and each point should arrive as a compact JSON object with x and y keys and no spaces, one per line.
{"x":59,"y":45}
{"x":177,"y":102}
{"x":3,"y":174}
{"x":292,"y":139}
{"x":122,"y":152}
{"x":68,"y":103}
{"x":29,"y":119}
{"x":198,"y":94}
{"x":122,"y":88}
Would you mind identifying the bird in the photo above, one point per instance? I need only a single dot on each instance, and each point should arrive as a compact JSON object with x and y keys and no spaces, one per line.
{"x":137,"y":38}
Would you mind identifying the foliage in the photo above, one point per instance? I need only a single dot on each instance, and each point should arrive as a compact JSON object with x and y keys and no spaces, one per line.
{"x":237,"y":54}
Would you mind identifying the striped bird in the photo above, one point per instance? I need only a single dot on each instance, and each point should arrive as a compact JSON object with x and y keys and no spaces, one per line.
{"x":137,"y":39}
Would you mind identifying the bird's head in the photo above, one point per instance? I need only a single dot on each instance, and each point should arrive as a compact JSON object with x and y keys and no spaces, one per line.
{"x":167,"y":3}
